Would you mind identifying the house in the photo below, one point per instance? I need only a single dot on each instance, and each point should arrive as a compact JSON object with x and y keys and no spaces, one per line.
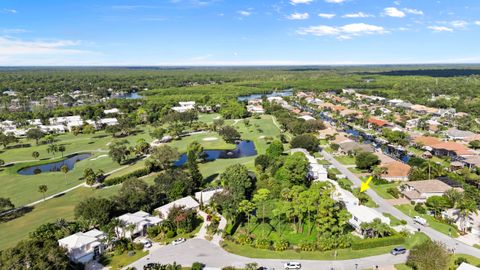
{"x":420,"y":191}
{"x":205,"y":196}
{"x":443,"y":148}
{"x":255,"y":109}
{"x":186,"y":202}
{"x":84,"y":247}
{"x":108,"y":121}
{"x":467,"y":266}
{"x":185,"y":106}
{"x":470,"y":223}
{"x":396,"y":171}
{"x":411,"y":124}
{"x":112,"y":111}
{"x":139,"y":223}
{"x":376,"y":123}
{"x":456,"y":134}
{"x":52,"y":128}
{"x":306,"y":117}
{"x":362,"y":214}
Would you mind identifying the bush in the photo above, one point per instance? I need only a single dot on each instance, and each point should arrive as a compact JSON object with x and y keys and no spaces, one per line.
{"x":394,"y":192}
{"x":378,"y":242}
{"x":281,"y":245}
{"x":243,"y":239}
{"x":197,"y":266}
{"x":262,"y":243}
{"x":137,"y":246}
{"x":307,"y":246}
{"x":420,"y":208}
{"x":120,"y":179}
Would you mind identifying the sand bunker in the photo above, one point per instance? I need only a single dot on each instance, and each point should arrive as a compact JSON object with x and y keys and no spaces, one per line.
{"x":208,"y":139}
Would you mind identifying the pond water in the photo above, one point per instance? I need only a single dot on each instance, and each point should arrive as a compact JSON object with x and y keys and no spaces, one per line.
{"x":132,"y":95}
{"x":55,"y":166}
{"x":243,"y":149}
{"x":283,"y":93}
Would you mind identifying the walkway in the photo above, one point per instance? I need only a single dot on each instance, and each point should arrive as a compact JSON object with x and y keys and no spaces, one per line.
{"x":213,"y":256}
{"x":221,"y":227}
{"x":386,"y":207}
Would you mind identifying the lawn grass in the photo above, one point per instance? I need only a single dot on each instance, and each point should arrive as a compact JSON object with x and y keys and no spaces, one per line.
{"x":341,"y":254}
{"x":355,"y":170}
{"x":49,"y":211}
{"x":408,"y":209}
{"x":393,"y":220}
{"x":381,"y":190}
{"x":119,"y":261}
{"x":470,"y":259}
{"x":346,"y":160}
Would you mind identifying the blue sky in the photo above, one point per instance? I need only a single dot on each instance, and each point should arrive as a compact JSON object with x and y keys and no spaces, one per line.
{"x":238,"y":32}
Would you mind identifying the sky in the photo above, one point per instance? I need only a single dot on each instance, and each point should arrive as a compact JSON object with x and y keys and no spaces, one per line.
{"x":238,"y":32}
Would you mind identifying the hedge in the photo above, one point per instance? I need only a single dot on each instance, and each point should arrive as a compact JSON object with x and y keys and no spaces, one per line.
{"x":378,"y":242}
{"x":120,"y":179}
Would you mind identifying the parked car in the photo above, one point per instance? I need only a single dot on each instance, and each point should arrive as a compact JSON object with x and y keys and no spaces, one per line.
{"x":151,"y":266}
{"x":265,"y":268}
{"x":292,"y":266}
{"x":398,"y":250}
{"x":178,"y":241}
{"x":146,"y":243}
{"x":420,"y":220}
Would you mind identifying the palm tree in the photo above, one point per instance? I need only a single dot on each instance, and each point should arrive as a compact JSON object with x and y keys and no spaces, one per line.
{"x":43,"y":189}
{"x":35,"y":154}
{"x":61,"y":149}
{"x":52,"y":148}
{"x":64,"y":170}
{"x":466,"y":208}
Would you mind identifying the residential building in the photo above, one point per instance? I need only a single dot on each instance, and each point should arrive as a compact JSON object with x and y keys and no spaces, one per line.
{"x":185,"y":106}
{"x":362,"y":214}
{"x":467,"y":266}
{"x":456,"y":134}
{"x":470,"y":223}
{"x":206,"y":195}
{"x":255,"y":109}
{"x":112,"y":111}
{"x":420,"y":191}
{"x":306,"y":117}
{"x":84,"y":247}
{"x":396,"y":171}
{"x":136,"y":224}
{"x":186,"y":202}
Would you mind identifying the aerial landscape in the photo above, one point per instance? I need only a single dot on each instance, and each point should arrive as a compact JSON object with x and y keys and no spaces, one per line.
{"x":249,"y":135}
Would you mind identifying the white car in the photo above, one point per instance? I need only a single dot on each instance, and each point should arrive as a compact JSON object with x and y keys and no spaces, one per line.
{"x":420,"y":221}
{"x":178,"y":241}
{"x":146,"y":243}
{"x":292,"y":266}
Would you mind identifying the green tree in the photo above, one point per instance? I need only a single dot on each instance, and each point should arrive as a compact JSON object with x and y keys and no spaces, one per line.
{"x":6,"y":139}
{"x":429,"y":255}
{"x":35,"y":154}
{"x":260,"y":198}
{"x":275,"y":149}
{"x":194,"y":151}
{"x":52,"y":148}
{"x":61,"y":149}
{"x":6,"y":204}
{"x":229,"y":134}
{"x":306,"y":141}
{"x":163,"y":157}
{"x":35,"y":134}
{"x":43,"y":189}
{"x":294,"y":170}
{"x":237,"y":187}
{"x":466,"y":207}
{"x":95,"y":211}
{"x":246,"y":207}
{"x":64,"y":170}
{"x":366,"y":160}
{"x":119,"y":151}
{"x":437,"y":204}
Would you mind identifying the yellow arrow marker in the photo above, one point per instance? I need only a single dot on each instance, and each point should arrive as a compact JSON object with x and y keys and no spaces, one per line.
{"x":365,"y":185}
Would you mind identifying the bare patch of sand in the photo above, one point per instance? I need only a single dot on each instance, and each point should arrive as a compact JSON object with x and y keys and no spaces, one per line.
{"x":209,"y":139}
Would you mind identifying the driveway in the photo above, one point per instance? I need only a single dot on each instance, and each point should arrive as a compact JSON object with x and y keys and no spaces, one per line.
{"x":213,"y":256}
{"x":386,"y":207}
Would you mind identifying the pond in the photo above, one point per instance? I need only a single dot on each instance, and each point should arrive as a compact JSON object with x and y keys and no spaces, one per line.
{"x":131,"y":95}
{"x":283,"y":93}
{"x":243,"y":149}
{"x":54,"y":166}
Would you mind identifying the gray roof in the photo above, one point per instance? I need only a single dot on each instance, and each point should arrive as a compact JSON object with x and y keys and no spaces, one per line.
{"x":352,"y":146}
{"x":456,"y":133}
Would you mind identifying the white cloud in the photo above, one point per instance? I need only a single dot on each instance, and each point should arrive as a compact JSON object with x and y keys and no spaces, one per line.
{"x":343,"y":32}
{"x":437,"y":28}
{"x":393,"y":12}
{"x":326,"y":15}
{"x":357,"y":15}
{"x":458,"y":24}
{"x":296,"y":2}
{"x":244,"y":13}
{"x":8,"y":10}
{"x":477,"y":23}
{"x":298,"y":16}
{"x":413,"y":11}
{"x":13,"y":31}
{"x":335,"y":1}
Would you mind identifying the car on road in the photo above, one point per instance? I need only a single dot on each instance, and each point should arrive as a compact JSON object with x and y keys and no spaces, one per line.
{"x":146,"y":243}
{"x":292,"y":266}
{"x":398,"y":250}
{"x":420,"y":220}
{"x":178,"y":241}
{"x":265,"y":268}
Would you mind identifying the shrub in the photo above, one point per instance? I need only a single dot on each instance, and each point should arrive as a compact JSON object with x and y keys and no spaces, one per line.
{"x":138,"y":246}
{"x":378,"y":242}
{"x":394,"y":192}
{"x":120,"y":179}
{"x":420,"y":208}
{"x":262,"y":243}
{"x":307,"y":245}
{"x":243,"y":239}
{"x":281,"y":245}
{"x":197,"y":266}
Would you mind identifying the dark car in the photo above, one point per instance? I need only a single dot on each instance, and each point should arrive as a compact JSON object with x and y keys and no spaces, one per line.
{"x":151,"y":266}
{"x":398,"y":251}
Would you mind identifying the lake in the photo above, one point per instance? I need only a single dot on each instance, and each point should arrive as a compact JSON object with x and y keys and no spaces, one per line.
{"x":243,"y":149}
{"x":54,"y":166}
{"x":283,"y":93}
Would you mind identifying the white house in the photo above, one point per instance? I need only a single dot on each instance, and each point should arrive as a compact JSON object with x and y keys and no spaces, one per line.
{"x":467,"y":266}
{"x":186,"y":202}
{"x":84,"y":247}
{"x":52,"y":128}
{"x":111,"y":111}
{"x":205,"y":196}
{"x":420,"y":191}
{"x":255,"y":109}
{"x":361,"y":214}
{"x":185,"y":106}
{"x":65,"y":120}
{"x":140,"y":220}
{"x":108,"y":121}
{"x":34,"y":122}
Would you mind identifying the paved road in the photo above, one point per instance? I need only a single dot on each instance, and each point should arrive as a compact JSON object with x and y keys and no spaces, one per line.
{"x":386,"y":207}
{"x":213,"y":256}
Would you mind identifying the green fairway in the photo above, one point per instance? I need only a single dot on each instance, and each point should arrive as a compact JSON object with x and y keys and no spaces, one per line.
{"x":49,"y":211}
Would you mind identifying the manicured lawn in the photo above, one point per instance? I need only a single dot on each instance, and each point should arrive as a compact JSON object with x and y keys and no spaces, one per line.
{"x":470,"y":259}
{"x":205,"y":139}
{"x":49,"y":211}
{"x":258,"y":130}
{"x":381,"y":190}
{"x":393,"y":220}
{"x":408,"y":209}
{"x":346,"y":160}
{"x":402,"y":266}
{"x":342,"y":254}
{"x":355,"y":170}
{"x":120,"y":261}
{"x":208,"y":117}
